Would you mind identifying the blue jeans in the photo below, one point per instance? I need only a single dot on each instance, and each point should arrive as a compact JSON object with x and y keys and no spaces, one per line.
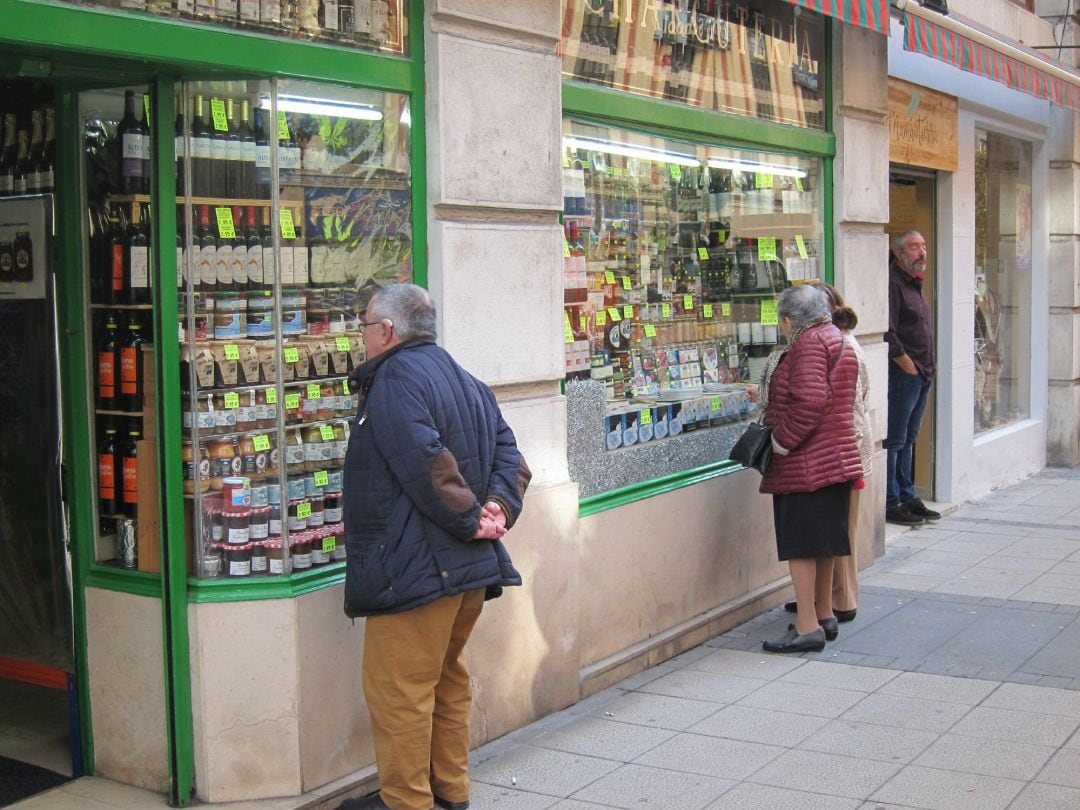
{"x":908,"y":394}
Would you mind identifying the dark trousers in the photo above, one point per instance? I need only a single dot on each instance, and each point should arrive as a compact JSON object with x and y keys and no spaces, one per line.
{"x":908,"y":394}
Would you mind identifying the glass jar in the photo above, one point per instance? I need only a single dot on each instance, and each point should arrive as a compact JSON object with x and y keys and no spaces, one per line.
{"x":238,"y":560}
{"x":300,"y":549}
{"x":294,"y":452}
{"x":237,"y":527}
{"x":224,"y":417}
{"x":320,"y":553}
{"x":260,"y":314}
{"x":275,"y":520}
{"x":258,"y":558}
{"x":318,"y":321}
{"x":315,"y":519}
{"x":342,"y":400}
{"x":338,"y":533}
{"x":199,"y":411}
{"x":265,"y":411}
{"x":246,"y":412}
{"x":275,"y":558}
{"x":340,"y":445}
{"x":230,"y":316}
{"x":332,"y":507}
{"x":187,"y":453}
{"x":327,"y":403}
{"x":222,"y":455}
{"x":316,"y":450}
{"x":296,"y":523}
{"x":259,"y":526}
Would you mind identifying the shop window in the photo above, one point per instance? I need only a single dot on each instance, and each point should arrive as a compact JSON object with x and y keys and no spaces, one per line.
{"x":674,"y":256}
{"x":1002,"y":280}
{"x":371,"y":25}
{"x":758,"y":58}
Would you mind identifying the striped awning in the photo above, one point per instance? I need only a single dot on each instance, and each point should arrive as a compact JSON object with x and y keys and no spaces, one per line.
{"x":927,"y":37}
{"x":872,"y":14}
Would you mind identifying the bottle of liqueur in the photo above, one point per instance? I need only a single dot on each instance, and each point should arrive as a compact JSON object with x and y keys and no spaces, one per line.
{"x":22,"y":164}
{"x":262,"y":157}
{"x":47,"y":160}
{"x":131,"y":135}
{"x":8,"y":157}
{"x":204,"y":265}
{"x":131,"y":371}
{"x":107,"y":469}
{"x":254,"y":270}
{"x":200,"y":151}
{"x":37,"y":144}
{"x":108,"y":366}
{"x":219,"y":149}
{"x":247,"y":152}
{"x":178,"y":135}
{"x":137,"y":259}
{"x":234,"y":151}
{"x":130,"y":474}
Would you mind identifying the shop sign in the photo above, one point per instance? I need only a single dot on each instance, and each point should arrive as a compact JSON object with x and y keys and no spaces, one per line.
{"x":755,"y":57}
{"x":922,"y":126}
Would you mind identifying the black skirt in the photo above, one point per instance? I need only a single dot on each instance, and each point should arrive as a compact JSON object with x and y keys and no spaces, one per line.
{"x":813,"y":524}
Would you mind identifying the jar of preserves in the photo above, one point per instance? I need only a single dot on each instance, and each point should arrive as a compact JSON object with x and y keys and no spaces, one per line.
{"x":300,"y":549}
{"x":275,"y":561}
{"x":294,"y":452}
{"x":238,"y":527}
{"x":320,"y":551}
{"x":222,"y":459}
{"x":265,"y":409}
{"x":327,"y":402}
{"x":258,"y":558}
{"x":337,"y":554}
{"x":295,"y":488}
{"x":238,"y":560}
{"x":311,"y":488}
{"x":224,"y":406}
{"x":187,"y":454}
{"x":316,"y":449}
{"x":292,"y":405}
{"x":340,"y":444}
{"x":342,"y":400}
{"x":274,"y":520}
{"x":332,"y":507}
{"x":247,"y":410}
{"x":260,"y":314}
{"x":298,"y":512}
{"x":318,"y":321}
{"x":315,"y":519}
{"x":230,"y":316}
{"x":259,"y":525}
{"x":260,"y":493}
{"x":199,"y":411}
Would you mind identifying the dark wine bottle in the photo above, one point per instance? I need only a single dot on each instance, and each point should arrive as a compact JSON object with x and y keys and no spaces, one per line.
{"x":117,"y":238}
{"x":10,"y":155}
{"x":200,"y":151}
{"x":247,"y":152}
{"x":137,"y":260}
{"x":262,"y":157}
{"x":219,"y":150}
{"x":128,"y":462}
{"x":37,"y":144}
{"x":234,"y":154}
{"x":207,"y":247}
{"x":22,"y":164}
{"x":179,"y":148}
{"x":131,"y":372}
{"x":131,"y":138}
{"x":254,"y":270}
{"x":108,"y":366}
{"x":46,"y":166}
{"x":107,"y":457}
{"x":266,"y":236}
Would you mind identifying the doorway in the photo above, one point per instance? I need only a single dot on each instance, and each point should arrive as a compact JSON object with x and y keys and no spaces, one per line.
{"x":912,"y":196}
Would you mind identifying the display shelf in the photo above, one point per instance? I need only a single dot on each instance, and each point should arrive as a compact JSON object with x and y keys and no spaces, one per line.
{"x":145,"y":307}
{"x":132,"y":414}
{"x":181,"y":200}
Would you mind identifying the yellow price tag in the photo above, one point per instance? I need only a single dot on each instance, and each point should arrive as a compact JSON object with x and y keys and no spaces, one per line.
{"x":565,"y":248}
{"x":665,"y":310}
{"x":232,"y":351}
{"x":768,"y":313}
{"x":766,"y":248}
{"x":601,"y":318}
{"x":328,"y":543}
{"x":303,"y":510}
{"x":322,"y":478}
{"x":314,"y":391}
{"x":703,"y":253}
{"x":800,"y":243}
{"x":292,"y":354}
{"x":327,"y":432}
{"x":706,"y":310}
{"x":613,"y":313}
{"x":566,"y":321}
{"x":232,"y":401}
{"x":146,"y":107}
{"x":288,"y":227}
{"x":721,"y":236}
{"x":650,"y":330}
{"x":725,"y":310}
{"x":626,"y":285}
{"x":688,"y":302}
{"x":628,"y":311}
{"x":798,"y":184}
{"x":763,"y":180}
{"x":282,"y":127}
{"x":568,"y":335}
{"x":646,"y":416}
{"x":609,"y":276}
{"x":345,"y":387}
{"x":261,"y":443}
{"x":714,"y":404}
{"x":225,"y":223}
{"x":217,"y":112}
{"x":341,"y":344}
{"x":292,"y":402}
{"x":271,"y":396}
{"x":676,"y":172}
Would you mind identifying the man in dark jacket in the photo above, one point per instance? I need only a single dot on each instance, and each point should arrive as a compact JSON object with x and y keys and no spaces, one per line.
{"x":433,"y":479}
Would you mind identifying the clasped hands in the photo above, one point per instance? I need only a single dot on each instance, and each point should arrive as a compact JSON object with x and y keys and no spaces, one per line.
{"x":492,"y":523}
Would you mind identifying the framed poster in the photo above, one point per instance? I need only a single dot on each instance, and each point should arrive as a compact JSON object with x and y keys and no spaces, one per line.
{"x":25,"y":234}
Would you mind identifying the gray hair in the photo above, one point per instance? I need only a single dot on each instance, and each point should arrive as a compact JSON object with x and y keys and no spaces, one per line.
{"x":900,"y":242}
{"x":803,"y":303}
{"x":410,"y":308}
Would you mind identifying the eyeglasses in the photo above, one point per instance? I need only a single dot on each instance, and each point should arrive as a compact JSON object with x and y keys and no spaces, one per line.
{"x":385,"y":321}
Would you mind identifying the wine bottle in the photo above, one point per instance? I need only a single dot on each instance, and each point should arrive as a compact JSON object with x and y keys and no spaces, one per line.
{"x":8,"y":157}
{"x":223,"y":257}
{"x":288,"y":149}
{"x":254,"y":270}
{"x":107,"y":473}
{"x":247,"y":152}
{"x":22,"y":163}
{"x":178,"y":131}
{"x":131,"y":372}
{"x":300,"y":261}
{"x":137,"y":260}
{"x":269,"y":264}
{"x":130,"y":135}
{"x":108,"y":365}
{"x":234,"y":151}
{"x":117,"y":233}
{"x":181,"y":267}
{"x":37,"y":144}
{"x":130,"y":474}
{"x":207,"y":247}
{"x":262,"y":157}
{"x":238,"y":266}
{"x":200,"y":151}
{"x":285,"y":266}
{"x":47,"y":160}
{"x":219,"y":149}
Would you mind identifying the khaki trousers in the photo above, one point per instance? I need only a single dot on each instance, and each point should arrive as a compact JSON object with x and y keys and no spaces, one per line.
{"x":417,"y":689}
{"x":845,"y":589}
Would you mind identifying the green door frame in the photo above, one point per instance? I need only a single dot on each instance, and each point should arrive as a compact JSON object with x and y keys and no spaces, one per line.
{"x":161,"y":53}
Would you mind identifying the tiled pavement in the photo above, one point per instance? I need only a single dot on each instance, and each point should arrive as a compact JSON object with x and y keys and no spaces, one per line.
{"x":957,"y":686}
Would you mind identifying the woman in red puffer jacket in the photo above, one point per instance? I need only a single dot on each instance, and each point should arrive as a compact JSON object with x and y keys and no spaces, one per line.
{"x":808,"y":393}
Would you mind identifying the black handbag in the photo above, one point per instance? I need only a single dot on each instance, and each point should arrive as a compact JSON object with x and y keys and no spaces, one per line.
{"x":754,"y":448}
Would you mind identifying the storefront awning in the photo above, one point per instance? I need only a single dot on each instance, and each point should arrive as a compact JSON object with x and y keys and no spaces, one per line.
{"x":872,"y":14}
{"x":963,"y":43}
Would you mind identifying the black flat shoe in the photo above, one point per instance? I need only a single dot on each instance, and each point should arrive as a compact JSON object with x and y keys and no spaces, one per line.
{"x":792,"y":642}
{"x":449,"y":805}
{"x":791,"y":607}
{"x":845,"y":615}
{"x":832,"y":630}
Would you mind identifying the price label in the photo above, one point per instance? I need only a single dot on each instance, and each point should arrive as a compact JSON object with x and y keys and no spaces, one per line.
{"x":703,"y":253}
{"x":565,"y":248}
{"x":261,"y":443}
{"x":292,"y":354}
{"x":628,"y":311}
{"x":292,"y":402}
{"x":322,"y":478}
{"x":232,"y":351}
{"x":232,"y":401}
{"x":217,"y":112}
{"x":646,"y":417}
{"x":341,"y":344}
{"x":271,"y":396}
{"x":303,"y":510}
{"x":714,"y":404}
{"x":768,"y":313}
{"x":314,"y":391}
{"x":609,"y":276}
{"x":328,"y":543}
{"x":568,"y":335}
{"x":327,"y":432}
{"x":288,"y":227}
{"x":282,"y":127}
{"x":676,"y":172}
{"x":626,"y":285}
{"x":583,"y":323}
{"x":721,"y":236}
{"x":566,"y":321}
{"x":613,"y":313}
{"x":146,"y":108}
{"x":345,"y":387}
{"x":706,"y":310}
{"x":725,"y":310}
{"x":801,"y":245}
{"x":665,"y":310}
{"x":688,"y":302}
{"x":650,"y":330}
{"x":766,"y":248}
{"x":225,"y":223}
{"x":798,"y":184}
{"x":763,"y":180}
{"x":601,"y":318}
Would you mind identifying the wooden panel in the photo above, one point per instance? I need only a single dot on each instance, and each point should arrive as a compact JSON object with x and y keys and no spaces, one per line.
{"x":922,"y":126}
{"x":148,"y":543}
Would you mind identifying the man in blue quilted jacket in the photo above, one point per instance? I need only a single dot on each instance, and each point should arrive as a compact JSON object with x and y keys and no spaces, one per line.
{"x":433,"y":479}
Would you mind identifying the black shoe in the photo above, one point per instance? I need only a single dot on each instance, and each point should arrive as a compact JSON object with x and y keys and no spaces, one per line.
{"x":793,"y":642}
{"x":845,"y":615}
{"x":449,"y":805}
{"x":372,"y":802}
{"x":828,"y":625}
{"x":791,"y":607}
{"x":918,"y":508}
{"x":902,"y":515}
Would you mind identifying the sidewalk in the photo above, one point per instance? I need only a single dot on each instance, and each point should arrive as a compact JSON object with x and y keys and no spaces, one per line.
{"x":957,"y":686}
